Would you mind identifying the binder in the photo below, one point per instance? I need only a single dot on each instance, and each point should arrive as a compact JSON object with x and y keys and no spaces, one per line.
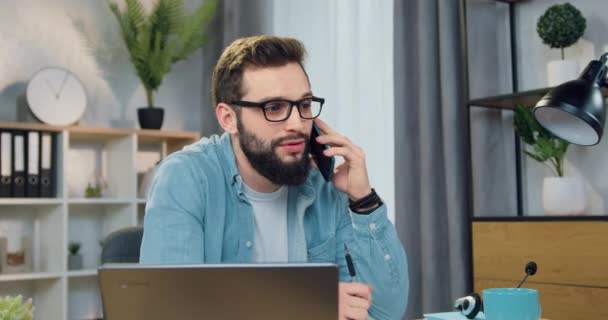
{"x":32,"y":186}
{"x":6,"y":161}
{"x":47,"y":165}
{"x":18,"y":181}
{"x":3,"y":254}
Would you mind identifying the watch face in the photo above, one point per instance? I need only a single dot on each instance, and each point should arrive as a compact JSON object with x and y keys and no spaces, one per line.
{"x":56,"y":96}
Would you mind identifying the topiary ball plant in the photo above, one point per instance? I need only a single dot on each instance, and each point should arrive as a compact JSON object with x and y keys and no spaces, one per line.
{"x":561,"y":26}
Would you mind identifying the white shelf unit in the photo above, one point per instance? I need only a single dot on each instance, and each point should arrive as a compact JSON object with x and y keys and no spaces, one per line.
{"x":82,"y":273}
{"x":121,"y":156}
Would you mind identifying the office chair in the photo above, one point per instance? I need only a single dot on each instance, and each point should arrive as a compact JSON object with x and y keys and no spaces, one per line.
{"x":122,"y":246}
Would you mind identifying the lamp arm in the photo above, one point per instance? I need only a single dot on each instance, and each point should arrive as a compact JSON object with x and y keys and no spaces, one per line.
{"x":596,"y":70}
{"x":603,"y":83}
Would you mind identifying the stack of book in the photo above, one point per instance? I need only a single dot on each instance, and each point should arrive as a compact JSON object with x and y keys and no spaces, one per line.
{"x":27,"y":164}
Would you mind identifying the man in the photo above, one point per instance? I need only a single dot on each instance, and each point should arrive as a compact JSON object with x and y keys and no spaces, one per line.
{"x":250,"y":195}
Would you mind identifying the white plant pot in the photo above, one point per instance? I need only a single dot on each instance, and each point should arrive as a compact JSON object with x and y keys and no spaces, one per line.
{"x":560,"y":71}
{"x":564,"y":196}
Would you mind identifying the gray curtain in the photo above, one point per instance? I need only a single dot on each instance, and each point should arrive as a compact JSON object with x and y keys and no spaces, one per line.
{"x":233,"y":19}
{"x":431,"y":153}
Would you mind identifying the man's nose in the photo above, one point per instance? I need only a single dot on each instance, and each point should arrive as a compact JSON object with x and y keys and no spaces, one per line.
{"x":294,"y":122}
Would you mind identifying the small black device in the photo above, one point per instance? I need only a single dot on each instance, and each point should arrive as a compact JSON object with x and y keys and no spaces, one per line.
{"x":324,"y":163}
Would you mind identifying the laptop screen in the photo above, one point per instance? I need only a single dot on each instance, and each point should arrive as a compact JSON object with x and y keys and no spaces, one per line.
{"x":219,"y":291}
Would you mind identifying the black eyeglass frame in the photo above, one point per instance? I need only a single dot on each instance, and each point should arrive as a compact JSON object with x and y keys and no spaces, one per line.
{"x":262,"y":105}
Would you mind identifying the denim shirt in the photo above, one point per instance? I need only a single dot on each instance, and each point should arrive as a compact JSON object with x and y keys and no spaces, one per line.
{"x":197,"y":212}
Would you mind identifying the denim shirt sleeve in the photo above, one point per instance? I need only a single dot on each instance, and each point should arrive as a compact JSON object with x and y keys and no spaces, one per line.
{"x":379,"y":259}
{"x":173,"y":224}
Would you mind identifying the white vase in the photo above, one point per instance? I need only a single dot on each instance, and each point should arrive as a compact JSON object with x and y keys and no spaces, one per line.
{"x":564,"y":196}
{"x":560,"y":71}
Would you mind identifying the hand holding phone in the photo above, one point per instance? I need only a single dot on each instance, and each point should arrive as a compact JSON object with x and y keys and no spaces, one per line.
{"x":324,"y":163}
{"x":351,"y":175}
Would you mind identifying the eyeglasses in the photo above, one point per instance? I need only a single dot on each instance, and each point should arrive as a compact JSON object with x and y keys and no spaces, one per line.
{"x":280,"y":110}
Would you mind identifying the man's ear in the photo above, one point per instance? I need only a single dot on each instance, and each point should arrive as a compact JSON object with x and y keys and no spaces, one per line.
{"x":226,"y":116}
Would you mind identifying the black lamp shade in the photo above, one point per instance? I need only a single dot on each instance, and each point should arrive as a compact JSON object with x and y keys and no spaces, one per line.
{"x":573,"y":111}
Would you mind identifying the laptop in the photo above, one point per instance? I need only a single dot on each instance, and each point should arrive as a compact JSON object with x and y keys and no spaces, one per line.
{"x":219,"y":291}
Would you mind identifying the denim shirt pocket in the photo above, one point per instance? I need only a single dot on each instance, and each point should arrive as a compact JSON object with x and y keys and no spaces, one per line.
{"x":325,"y":252}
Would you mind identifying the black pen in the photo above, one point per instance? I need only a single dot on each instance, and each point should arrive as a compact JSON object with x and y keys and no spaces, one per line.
{"x":350,"y":265}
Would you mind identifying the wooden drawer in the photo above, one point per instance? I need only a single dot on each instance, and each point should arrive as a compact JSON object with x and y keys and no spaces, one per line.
{"x":572,"y":258}
{"x":567,"y":252}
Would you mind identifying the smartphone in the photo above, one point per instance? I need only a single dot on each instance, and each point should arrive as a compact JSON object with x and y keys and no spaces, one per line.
{"x":324,"y":163}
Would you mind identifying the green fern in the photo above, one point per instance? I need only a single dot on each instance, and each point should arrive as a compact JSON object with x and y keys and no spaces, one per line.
{"x":11,"y":308}
{"x":545,"y":146}
{"x":157,"y":41}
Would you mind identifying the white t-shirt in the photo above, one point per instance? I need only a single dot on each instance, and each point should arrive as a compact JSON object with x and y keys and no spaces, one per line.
{"x":270,"y":221}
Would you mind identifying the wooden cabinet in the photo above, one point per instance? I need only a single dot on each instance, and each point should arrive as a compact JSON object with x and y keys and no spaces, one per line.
{"x":572,"y":258}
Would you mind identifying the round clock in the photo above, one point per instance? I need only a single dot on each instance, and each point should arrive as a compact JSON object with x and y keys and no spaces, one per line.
{"x":56,"y":96}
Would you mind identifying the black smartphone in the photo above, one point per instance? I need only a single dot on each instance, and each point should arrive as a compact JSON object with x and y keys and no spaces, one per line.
{"x":324,"y":163}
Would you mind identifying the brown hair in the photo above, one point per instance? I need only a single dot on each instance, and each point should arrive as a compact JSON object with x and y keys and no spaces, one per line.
{"x":257,"y":51}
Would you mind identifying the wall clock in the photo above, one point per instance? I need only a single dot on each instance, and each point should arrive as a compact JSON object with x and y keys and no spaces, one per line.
{"x":56,"y":96}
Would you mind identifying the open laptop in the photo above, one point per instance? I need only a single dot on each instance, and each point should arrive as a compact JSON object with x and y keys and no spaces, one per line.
{"x":219,"y":291}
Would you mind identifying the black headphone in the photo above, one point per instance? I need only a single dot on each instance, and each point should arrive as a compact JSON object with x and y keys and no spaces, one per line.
{"x":470,"y":305}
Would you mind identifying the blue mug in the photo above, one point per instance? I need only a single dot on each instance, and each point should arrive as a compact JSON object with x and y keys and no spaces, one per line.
{"x":511,"y":304}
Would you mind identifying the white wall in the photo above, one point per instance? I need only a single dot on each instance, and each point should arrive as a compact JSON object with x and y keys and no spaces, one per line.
{"x":350,"y":63}
{"x":83,"y":36}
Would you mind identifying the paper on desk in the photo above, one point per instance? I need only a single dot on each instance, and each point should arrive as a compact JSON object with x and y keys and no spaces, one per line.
{"x":451,"y":316}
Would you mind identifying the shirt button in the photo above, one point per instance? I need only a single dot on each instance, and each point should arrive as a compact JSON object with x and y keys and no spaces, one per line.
{"x":372,"y":226}
{"x":387,"y":257}
{"x":248,"y":244}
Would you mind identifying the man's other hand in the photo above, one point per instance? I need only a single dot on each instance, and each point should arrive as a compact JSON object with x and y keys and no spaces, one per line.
{"x":354,"y":299}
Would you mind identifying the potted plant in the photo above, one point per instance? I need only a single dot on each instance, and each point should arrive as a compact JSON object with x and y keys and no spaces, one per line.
{"x":562,"y":195}
{"x":13,"y":308}
{"x":96,"y":187}
{"x":560,"y":27}
{"x":74,"y":258}
{"x":156,"y":41}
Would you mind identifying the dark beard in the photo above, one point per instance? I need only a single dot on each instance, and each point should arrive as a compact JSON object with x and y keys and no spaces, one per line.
{"x":265,"y":161}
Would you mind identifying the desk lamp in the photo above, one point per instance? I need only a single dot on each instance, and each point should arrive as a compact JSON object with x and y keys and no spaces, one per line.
{"x":574,"y":110}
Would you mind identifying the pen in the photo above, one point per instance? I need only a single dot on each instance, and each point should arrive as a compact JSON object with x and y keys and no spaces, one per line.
{"x":350,"y":265}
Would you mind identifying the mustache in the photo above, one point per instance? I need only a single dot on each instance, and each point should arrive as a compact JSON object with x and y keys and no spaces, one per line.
{"x":299,"y":135}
